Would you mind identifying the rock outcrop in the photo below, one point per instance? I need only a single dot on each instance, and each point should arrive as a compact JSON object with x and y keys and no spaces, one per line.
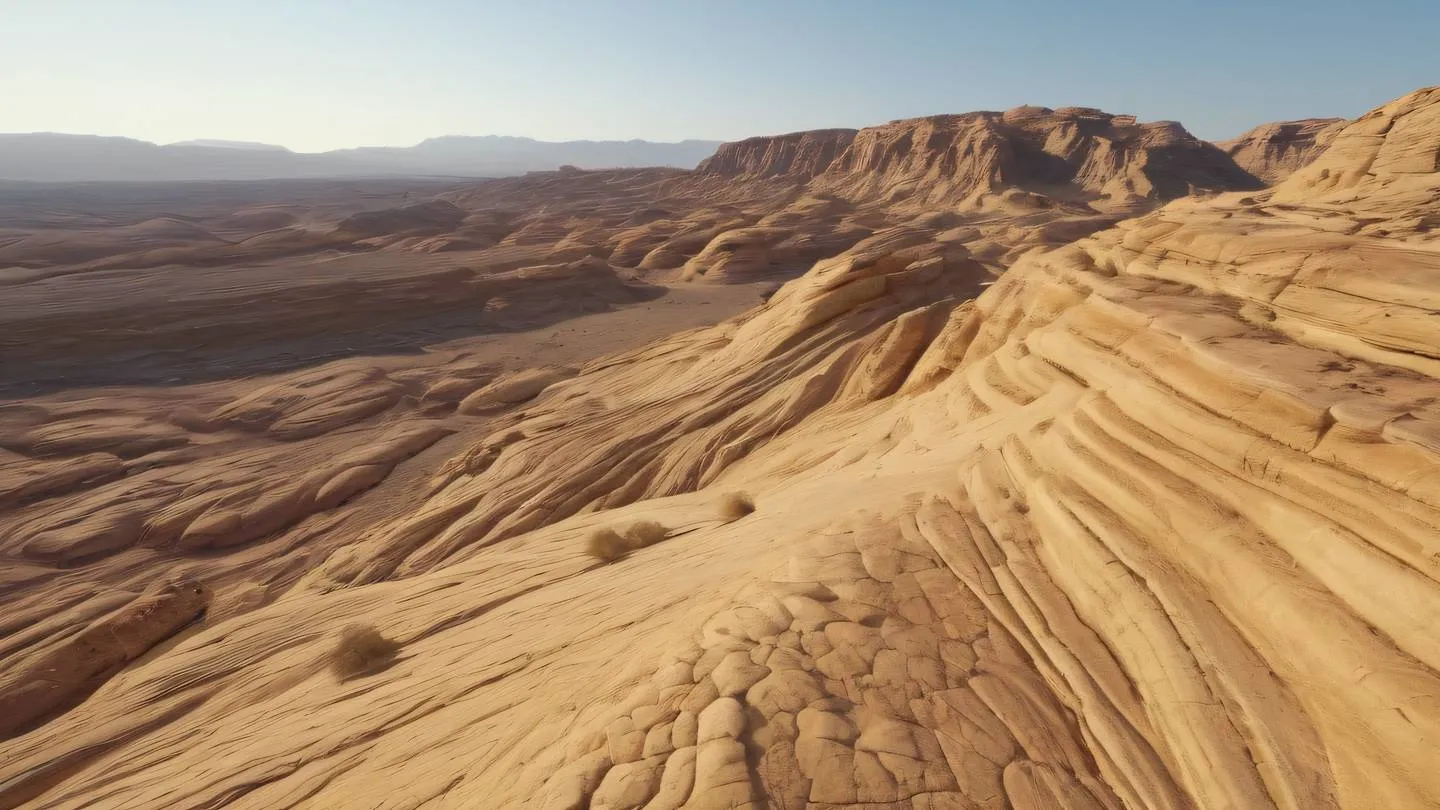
{"x":1273,"y":152}
{"x":1004,"y":183}
{"x":1072,"y":153}
{"x":67,"y":669}
{"x":796,"y":156}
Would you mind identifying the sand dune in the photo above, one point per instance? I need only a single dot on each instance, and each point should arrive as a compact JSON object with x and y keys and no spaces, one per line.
{"x":1143,"y":518}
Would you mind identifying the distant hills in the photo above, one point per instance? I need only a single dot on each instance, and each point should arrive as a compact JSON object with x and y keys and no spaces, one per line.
{"x":54,"y":157}
{"x":222,"y":144}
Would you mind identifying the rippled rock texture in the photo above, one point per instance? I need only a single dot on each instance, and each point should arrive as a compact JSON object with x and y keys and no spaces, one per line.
{"x":1151,"y":520}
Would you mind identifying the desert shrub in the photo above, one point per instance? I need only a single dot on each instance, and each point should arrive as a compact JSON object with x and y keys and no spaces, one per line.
{"x":607,"y":545}
{"x":361,"y":649}
{"x":736,"y":505}
{"x":645,"y":533}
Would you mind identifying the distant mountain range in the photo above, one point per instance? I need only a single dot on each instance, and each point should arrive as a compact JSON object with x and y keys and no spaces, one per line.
{"x":223,"y":144}
{"x":53,"y":157}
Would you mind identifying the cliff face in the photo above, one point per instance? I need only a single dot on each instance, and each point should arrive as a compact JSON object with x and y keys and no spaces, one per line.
{"x":1273,"y":151}
{"x":797,"y":156}
{"x":1070,"y":153}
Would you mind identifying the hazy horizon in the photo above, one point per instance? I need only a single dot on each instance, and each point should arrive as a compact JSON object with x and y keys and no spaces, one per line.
{"x":221,"y":142}
{"x":329,"y":75}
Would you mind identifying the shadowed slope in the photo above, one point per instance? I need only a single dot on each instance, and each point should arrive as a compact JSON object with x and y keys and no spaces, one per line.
{"x":1072,"y":153}
{"x":1272,"y":152}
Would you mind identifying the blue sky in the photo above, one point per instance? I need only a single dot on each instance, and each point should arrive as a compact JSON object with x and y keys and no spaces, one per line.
{"x":321,"y":74}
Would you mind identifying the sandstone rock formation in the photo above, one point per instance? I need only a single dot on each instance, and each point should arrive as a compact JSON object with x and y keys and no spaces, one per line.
{"x":1272,"y":152}
{"x":797,"y":156}
{"x":946,"y":158}
{"x":1002,"y":182}
{"x":1146,"y":520}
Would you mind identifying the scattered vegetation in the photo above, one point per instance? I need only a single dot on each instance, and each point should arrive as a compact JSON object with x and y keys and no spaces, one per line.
{"x":645,"y":533}
{"x":610,"y":545}
{"x":736,"y":505}
{"x":607,"y":545}
{"x":361,"y":650}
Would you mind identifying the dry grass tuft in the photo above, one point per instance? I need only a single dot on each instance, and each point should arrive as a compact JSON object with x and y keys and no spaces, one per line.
{"x":361,"y":649}
{"x":645,"y":533}
{"x":607,"y":544}
{"x":736,"y":505}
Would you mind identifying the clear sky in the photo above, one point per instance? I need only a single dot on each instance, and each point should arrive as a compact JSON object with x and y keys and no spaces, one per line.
{"x":322,"y":74}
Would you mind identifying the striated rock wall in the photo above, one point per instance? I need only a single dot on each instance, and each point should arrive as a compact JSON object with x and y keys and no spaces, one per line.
{"x":798,"y":155}
{"x":1273,"y":152}
{"x":1193,"y":461}
{"x":1072,"y":152}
